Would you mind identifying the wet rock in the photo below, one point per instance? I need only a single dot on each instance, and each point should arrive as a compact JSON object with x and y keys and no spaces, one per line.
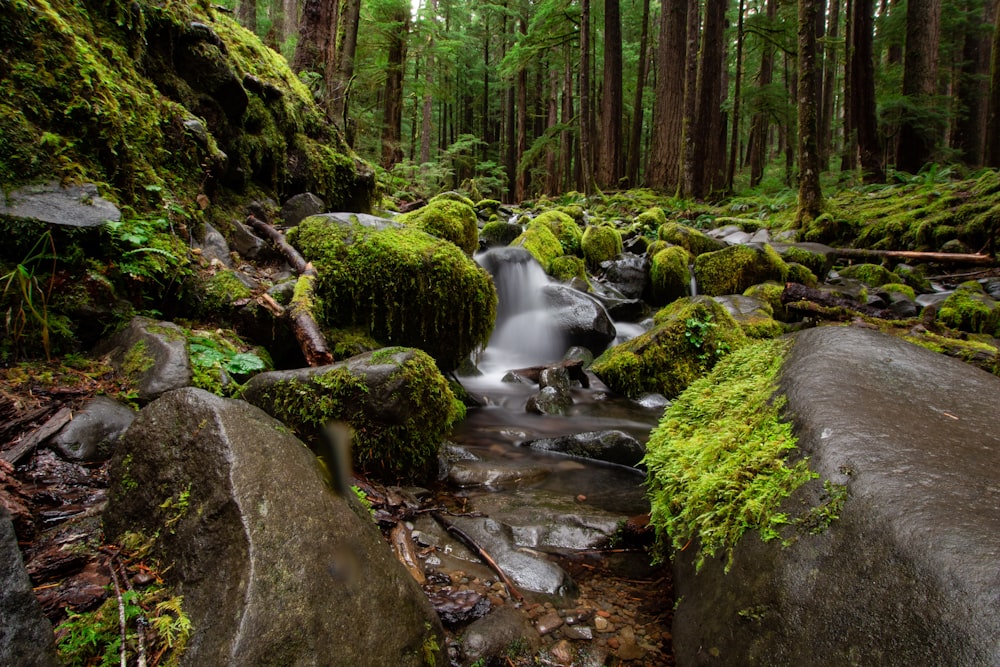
{"x":493,"y":635}
{"x":581,"y":318}
{"x":456,"y":607}
{"x":628,"y":273}
{"x":247,"y":243}
{"x":94,"y":430}
{"x":151,"y":354}
{"x":214,"y":247}
{"x":550,"y":401}
{"x":494,"y":474}
{"x":25,"y":634}
{"x":300,"y":207}
{"x":72,"y":206}
{"x":548,"y":623}
{"x":610,"y":446}
{"x":286,"y":553}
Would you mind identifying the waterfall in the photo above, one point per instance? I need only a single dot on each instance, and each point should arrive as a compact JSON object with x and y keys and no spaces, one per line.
{"x":693,"y":285}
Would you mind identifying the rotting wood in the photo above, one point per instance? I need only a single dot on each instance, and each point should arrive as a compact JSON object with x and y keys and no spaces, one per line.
{"x":796,"y":294}
{"x":37,"y":437}
{"x":311,"y":340}
{"x":957,"y":259}
{"x":405,"y":553}
{"x":466,"y":539}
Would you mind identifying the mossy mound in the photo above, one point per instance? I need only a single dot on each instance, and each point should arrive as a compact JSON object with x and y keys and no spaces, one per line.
{"x":771,"y":293}
{"x":565,"y":229}
{"x":449,"y":219}
{"x":970,"y":309}
{"x":696,"y":242}
{"x":816,"y":262}
{"x":402,"y":285}
{"x":669,"y":275}
{"x":600,"y":243}
{"x":538,"y":239}
{"x":873,"y":275}
{"x":688,"y":337}
{"x":900,"y":288}
{"x":496,"y":233}
{"x":649,"y":221}
{"x":567,"y":267}
{"x":754,"y":315}
{"x":396,"y":401}
{"x":735,"y":268}
{"x":798,"y":273}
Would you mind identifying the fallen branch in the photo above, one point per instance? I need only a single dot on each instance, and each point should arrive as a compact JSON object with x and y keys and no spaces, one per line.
{"x":37,"y":437}
{"x":405,"y":553}
{"x":466,"y":539}
{"x":307,"y":330}
{"x":121,"y":614}
{"x":817,"y":302}
{"x":961,"y":259}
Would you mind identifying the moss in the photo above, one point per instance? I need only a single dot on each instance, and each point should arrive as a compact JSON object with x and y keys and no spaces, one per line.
{"x":978,"y":353}
{"x":574,"y":211}
{"x":222,"y":289}
{"x":694,"y":241}
{"x":873,"y":275}
{"x":565,"y":229}
{"x":814,"y":261}
{"x":600,"y":243}
{"x":345,"y":343}
{"x":798,"y":273}
{"x":688,"y":337}
{"x":497,"y":233}
{"x":566,"y":268}
{"x":539,"y":240}
{"x":137,"y":360}
{"x":718,"y":461}
{"x":453,"y":197}
{"x":771,"y":294}
{"x":447,"y":219}
{"x":649,"y":221}
{"x":735,"y":268}
{"x":900,"y":288}
{"x":970,"y":309}
{"x":489,"y":206}
{"x":669,"y":275}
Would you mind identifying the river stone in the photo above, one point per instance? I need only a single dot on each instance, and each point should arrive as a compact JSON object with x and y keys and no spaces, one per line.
{"x":610,"y":446}
{"x":493,"y":635}
{"x":300,"y":207}
{"x":94,"y":429}
{"x":494,"y":474}
{"x":247,"y":243}
{"x":71,"y":206}
{"x":213,"y":246}
{"x":26,"y":638}
{"x":628,"y":273}
{"x":152,"y":354}
{"x":581,"y":318}
{"x":908,"y":573}
{"x":274,"y":568}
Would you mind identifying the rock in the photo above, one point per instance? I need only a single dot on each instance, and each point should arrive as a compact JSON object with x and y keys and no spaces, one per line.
{"x":906,"y":572}
{"x":247,"y":243}
{"x":581,"y":318}
{"x":456,"y":607}
{"x":735,"y":268}
{"x":600,"y":243}
{"x":499,"y":234}
{"x":755,"y":316}
{"x":549,"y":401}
{"x":689,"y":238}
{"x":152,"y":354}
{"x":669,"y":275}
{"x":492,"y":636}
{"x":494,"y":474}
{"x":274,"y":568}
{"x":446,"y":219}
{"x":627,"y":273}
{"x":72,"y":206}
{"x":94,"y":430}
{"x":610,"y":446}
{"x":26,"y":637}
{"x":548,"y":623}
{"x":213,"y":246}
{"x":299,"y":207}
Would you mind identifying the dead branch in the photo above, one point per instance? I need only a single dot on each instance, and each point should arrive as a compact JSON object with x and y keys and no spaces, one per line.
{"x":405,"y":553}
{"x":957,"y":259}
{"x":37,"y":437}
{"x":829,"y":306}
{"x":466,"y":539}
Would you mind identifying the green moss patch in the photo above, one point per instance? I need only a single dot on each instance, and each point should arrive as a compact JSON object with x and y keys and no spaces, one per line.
{"x":873,"y":275}
{"x":447,"y":219}
{"x":694,"y":241}
{"x":970,"y":309}
{"x":669,"y":275}
{"x":735,"y":268}
{"x":539,"y":240}
{"x":564,"y":227}
{"x":600,"y":243}
{"x":718,"y":462}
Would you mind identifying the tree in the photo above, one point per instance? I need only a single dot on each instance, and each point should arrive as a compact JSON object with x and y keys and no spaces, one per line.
{"x":706,"y":168}
{"x":810,"y":195}
{"x":862,"y":98}
{"x":919,"y":130}
{"x":663,"y":168}
{"x":635,"y":136}
{"x":586,"y":159}
{"x":316,"y":50}
{"x":972,"y":91}
{"x":760,"y":123}
{"x":993,"y":111}
{"x":338,"y":85}
{"x":392,"y":118}
{"x":734,"y":141}
{"x":608,"y":167}
{"x":246,"y":14}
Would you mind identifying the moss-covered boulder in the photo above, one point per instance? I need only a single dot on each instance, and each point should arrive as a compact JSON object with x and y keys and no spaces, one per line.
{"x":565,"y":229}
{"x":395,"y":399}
{"x":600,"y":243}
{"x":538,"y":239}
{"x":448,"y":219}
{"x":770,"y":293}
{"x":649,"y":221}
{"x":817,"y":257}
{"x":873,"y":275}
{"x":800,"y":273}
{"x":735,"y":268}
{"x":567,"y":268}
{"x":970,"y":309}
{"x":497,"y":233}
{"x":753,"y":315}
{"x":695,"y":241}
{"x":687,"y":339}
{"x":669,"y":275}
{"x":404,"y":286}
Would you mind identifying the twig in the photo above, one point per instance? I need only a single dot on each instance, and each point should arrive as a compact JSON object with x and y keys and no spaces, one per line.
{"x":121,"y":611}
{"x":38,"y":436}
{"x":479,"y":551}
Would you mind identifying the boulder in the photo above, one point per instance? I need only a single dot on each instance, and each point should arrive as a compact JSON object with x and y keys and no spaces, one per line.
{"x":754,"y":315}
{"x":72,"y":206}
{"x":736,"y":268}
{"x":669,"y":275}
{"x":151,"y":354}
{"x":299,"y":207}
{"x":491,"y":637}
{"x":609,"y":446}
{"x":905,"y":573}
{"x":600,"y":243}
{"x":539,"y":239}
{"x":395,"y":399}
{"x":627,"y":273}
{"x":497,"y":233}
{"x":274,"y":568}
{"x":94,"y":430}
{"x":581,"y":318}
{"x":565,"y":229}
{"x":214,"y":247}
{"x":446,"y":219}
{"x":689,"y":238}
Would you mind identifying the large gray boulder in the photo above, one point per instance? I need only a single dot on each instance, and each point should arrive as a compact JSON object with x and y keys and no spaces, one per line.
{"x":581,"y":318}
{"x":907,"y":575}
{"x":274,"y":568}
{"x":72,"y":206}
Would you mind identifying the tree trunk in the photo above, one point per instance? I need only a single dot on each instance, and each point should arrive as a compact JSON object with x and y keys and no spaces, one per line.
{"x":635,"y":138}
{"x":586,"y":163}
{"x":693,"y":36}
{"x":663,"y":168}
{"x":552,"y":176}
{"x":973,"y":87}
{"x":339,"y":84}
{"x":608,"y":168}
{"x":826,"y":142}
{"x":993,"y":113}
{"x":392,"y":117}
{"x":848,"y":159}
{"x":918,"y":137}
{"x":810,"y":196}
{"x":869,"y":151}
{"x":734,"y":142}
{"x":316,"y":48}
{"x":760,"y":124}
{"x":706,"y":172}
{"x":246,"y":14}
{"x":520,"y":188}
{"x":566,"y":143}
{"x":289,"y":19}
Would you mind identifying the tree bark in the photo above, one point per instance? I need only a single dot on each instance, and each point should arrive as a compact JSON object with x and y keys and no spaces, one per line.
{"x":826,"y":142}
{"x":810,"y":195}
{"x":663,"y":168}
{"x":973,"y":87}
{"x":339,"y":85}
{"x":734,"y":142}
{"x":869,"y":150}
{"x":919,"y":131}
{"x":246,"y":14}
{"x":993,"y":113}
{"x":608,"y":169}
{"x":635,"y":136}
{"x":586,"y":161}
{"x":552,"y":175}
{"x":760,"y":123}
{"x":392,"y":116}
{"x":317,"y":45}
{"x":706,"y":173}
{"x":689,"y":140}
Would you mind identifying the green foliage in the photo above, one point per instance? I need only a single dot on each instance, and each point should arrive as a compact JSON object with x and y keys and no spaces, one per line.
{"x":219,"y":360}
{"x":148,"y":259}
{"x":718,"y":461}
{"x":27,"y":300}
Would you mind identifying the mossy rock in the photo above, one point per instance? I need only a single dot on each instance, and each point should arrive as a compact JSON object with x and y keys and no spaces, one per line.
{"x":828,"y":228}
{"x":900,"y":288}
{"x":565,"y":229}
{"x":695,"y":241}
{"x":688,"y":337}
{"x":222,"y":289}
{"x":574,"y":211}
{"x":347,"y":343}
{"x":754,"y":315}
{"x":487,"y":207}
{"x":600,"y":243}
{"x":669,"y":275}
{"x":981,"y":354}
{"x":873,"y":275}
{"x":771,"y":293}
{"x":649,"y":221}
{"x":735,"y":268}
{"x":451,"y":195}
{"x":396,"y":401}
{"x":402,"y":285}
{"x":539,"y":240}
{"x":449,"y":219}
{"x":817,"y":262}
{"x":567,"y":268}
{"x":798,"y":273}
{"x":970,"y":309}
{"x":496,"y":233}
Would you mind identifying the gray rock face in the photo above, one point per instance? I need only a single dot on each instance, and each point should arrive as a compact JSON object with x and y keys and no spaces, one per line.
{"x":247,"y":243}
{"x":94,"y":429}
{"x":73,"y":206}
{"x":154,"y":354}
{"x":274,"y":568}
{"x":492,"y":635}
{"x":26,"y":638}
{"x":213,"y":246}
{"x":908,"y":573}
{"x":300,"y":207}
{"x":628,"y":273}
{"x":582,"y":319}
{"x":610,"y":446}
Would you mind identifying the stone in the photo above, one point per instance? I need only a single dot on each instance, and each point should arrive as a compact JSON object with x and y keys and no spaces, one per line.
{"x":494,"y":634}
{"x":549,"y":401}
{"x":628,"y":273}
{"x":94,"y":430}
{"x":247,"y":243}
{"x":299,"y":207}
{"x":71,"y":206}
{"x":582,"y":319}
{"x":213,"y":246}
{"x":548,"y":623}
{"x":152,"y":354}
{"x":274,"y":568}
{"x":610,"y":446}
{"x":25,"y":634}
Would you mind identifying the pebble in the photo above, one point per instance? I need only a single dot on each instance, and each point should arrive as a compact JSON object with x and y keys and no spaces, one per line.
{"x":549,"y":622}
{"x":578,"y":632}
{"x":562,"y":652}
{"x":601,"y":624}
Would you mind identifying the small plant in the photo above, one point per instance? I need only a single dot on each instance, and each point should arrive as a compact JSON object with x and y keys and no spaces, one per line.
{"x":216,"y":360}
{"x":697,"y":334}
{"x":363,"y":499}
{"x":30,"y":299}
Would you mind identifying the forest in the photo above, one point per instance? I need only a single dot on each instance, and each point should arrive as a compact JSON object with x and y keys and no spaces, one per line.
{"x":695,"y":98}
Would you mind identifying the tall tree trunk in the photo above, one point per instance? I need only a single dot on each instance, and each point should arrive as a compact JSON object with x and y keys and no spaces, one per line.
{"x":869,"y":151}
{"x":826,"y":142}
{"x":635,"y":136}
{"x":509,"y":124}
{"x":849,"y":158}
{"x":552,"y":175}
{"x":392,"y":122}
{"x":608,"y":168}
{"x":566,"y":141}
{"x":520,"y":188}
{"x":663,"y":167}
{"x":706,"y":171}
{"x":810,"y":195}
{"x":689,"y":138}
{"x":339,"y":85}
{"x":918,"y":137}
{"x":973,"y":87}
{"x":734,"y":142}
{"x":246,"y":14}
{"x":760,"y":123}
{"x":586,"y":162}
{"x":993,"y":112}
{"x":427,"y":110}
{"x":289,"y":18}
{"x":317,"y":46}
